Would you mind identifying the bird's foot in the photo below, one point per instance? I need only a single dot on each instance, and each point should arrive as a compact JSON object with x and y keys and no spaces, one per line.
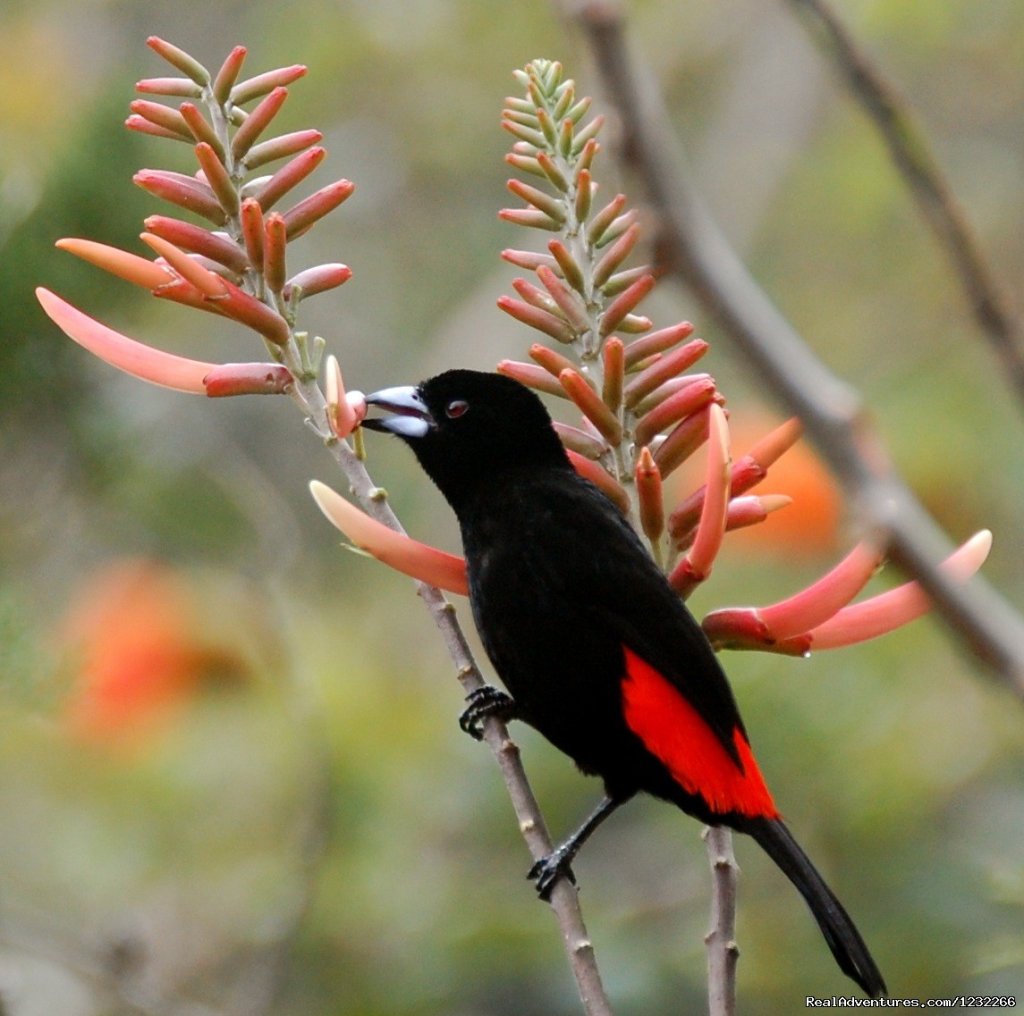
{"x":548,"y":870}
{"x":483,"y":703}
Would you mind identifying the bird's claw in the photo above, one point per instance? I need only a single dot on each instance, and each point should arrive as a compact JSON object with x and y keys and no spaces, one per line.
{"x":485,"y":702}
{"x":548,"y":870}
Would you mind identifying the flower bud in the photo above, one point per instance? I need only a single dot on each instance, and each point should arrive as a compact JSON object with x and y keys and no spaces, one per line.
{"x":257,"y":122}
{"x":657,"y":342}
{"x":589,"y":402}
{"x":180,"y":59}
{"x":228,"y":74}
{"x":163,"y":116}
{"x":190,"y":237}
{"x":570,"y":267}
{"x":302,"y":216}
{"x":615,"y":313}
{"x":615,"y":255}
{"x":650,"y":502}
{"x":200,"y":128}
{"x":274,"y":268}
{"x":217,"y":177}
{"x":121,"y":263}
{"x":614,"y":371}
{"x":604,"y":218}
{"x":253,"y":231}
{"x":533,"y":377}
{"x":682,"y":442}
{"x":185,"y":191}
{"x":290,"y":175}
{"x":569,"y":303}
{"x":261,"y":84}
{"x":551,"y":360}
{"x":542,"y":320}
{"x":279,"y":147}
{"x":580,"y":441}
{"x":317,"y":279}
{"x":691,"y":398}
{"x":184,"y":87}
{"x":665,"y":368}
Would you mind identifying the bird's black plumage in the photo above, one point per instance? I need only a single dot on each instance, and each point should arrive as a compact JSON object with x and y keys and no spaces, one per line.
{"x":598,"y":652}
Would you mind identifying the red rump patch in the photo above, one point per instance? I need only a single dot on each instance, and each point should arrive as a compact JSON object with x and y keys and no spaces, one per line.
{"x":673,"y":731}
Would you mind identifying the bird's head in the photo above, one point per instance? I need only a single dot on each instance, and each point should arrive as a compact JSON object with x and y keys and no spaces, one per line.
{"x":467,"y":428}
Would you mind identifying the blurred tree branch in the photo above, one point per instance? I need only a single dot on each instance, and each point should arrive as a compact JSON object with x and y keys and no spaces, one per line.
{"x":722,"y":950}
{"x":892,"y":116}
{"x":831,"y":410}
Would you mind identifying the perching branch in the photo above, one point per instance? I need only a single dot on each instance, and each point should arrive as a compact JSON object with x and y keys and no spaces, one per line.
{"x":723,"y":952}
{"x":832,"y":412}
{"x":908,"y":147}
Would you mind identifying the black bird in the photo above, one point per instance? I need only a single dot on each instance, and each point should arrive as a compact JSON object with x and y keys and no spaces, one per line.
{"x":598,"y":652}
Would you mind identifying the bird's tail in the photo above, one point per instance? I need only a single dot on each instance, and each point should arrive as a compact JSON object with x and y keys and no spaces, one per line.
{"x":840,"y":933}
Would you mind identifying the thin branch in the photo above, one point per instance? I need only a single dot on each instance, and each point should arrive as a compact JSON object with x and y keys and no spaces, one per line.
{"x":892,"y":116}
{"x":564,"y":898}
{"x":832,"y":412}
{"x":723,"y":952}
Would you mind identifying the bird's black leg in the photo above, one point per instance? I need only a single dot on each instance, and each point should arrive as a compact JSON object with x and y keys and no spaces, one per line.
{"x":484,"y":702}
{"x":548,"y":870}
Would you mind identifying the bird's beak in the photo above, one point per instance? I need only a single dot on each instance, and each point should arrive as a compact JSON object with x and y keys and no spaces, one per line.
{"x":409,"y":414}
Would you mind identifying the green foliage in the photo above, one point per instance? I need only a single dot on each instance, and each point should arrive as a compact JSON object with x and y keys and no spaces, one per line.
{"x":86,"y":192}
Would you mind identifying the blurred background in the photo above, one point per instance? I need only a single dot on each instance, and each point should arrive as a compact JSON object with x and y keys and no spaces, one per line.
{"x":231,"y":780}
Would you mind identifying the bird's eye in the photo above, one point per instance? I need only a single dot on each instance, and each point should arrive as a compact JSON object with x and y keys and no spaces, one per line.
{"x":456,"y":409}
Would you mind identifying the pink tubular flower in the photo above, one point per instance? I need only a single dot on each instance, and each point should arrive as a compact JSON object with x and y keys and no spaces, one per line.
{"x":697,"y":564}
{"x":819,"y":617}
{"x":158,"y":367}
{"x":135,"y":358}
{"x":887,"y":611}
{"x":401,"y":552}
{"x":261,"y":84}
